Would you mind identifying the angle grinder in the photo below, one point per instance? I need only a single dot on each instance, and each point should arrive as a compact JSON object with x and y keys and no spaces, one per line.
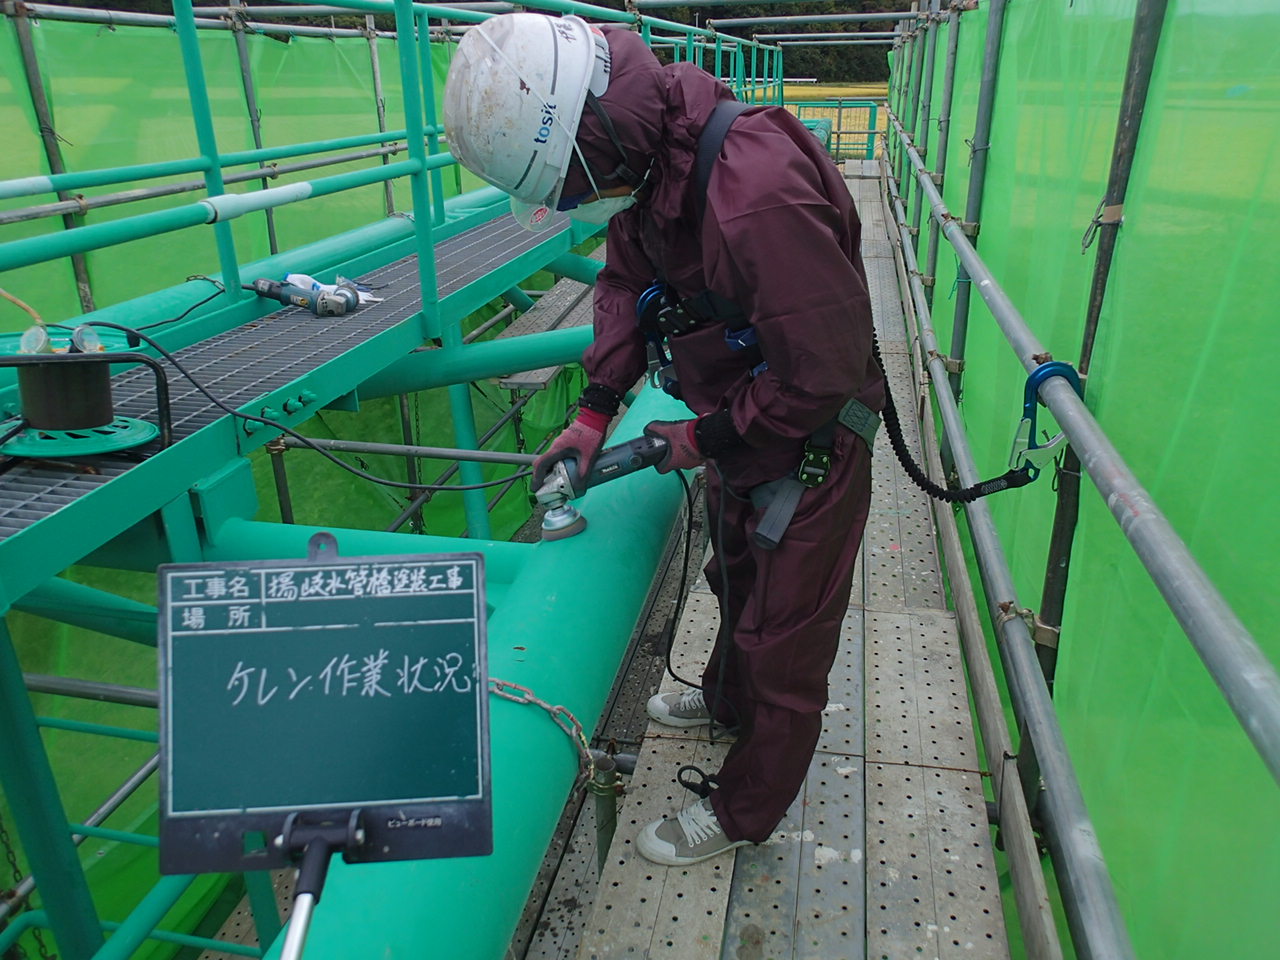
{"x":323,"y":303}
{"x":564,"y":483}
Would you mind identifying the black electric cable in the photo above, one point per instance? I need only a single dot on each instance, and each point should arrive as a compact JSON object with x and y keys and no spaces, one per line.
{"x":673,"y":623}
{"x":293,"y":433}
{"x":1018,"y":477}
{"x":183,"y":315}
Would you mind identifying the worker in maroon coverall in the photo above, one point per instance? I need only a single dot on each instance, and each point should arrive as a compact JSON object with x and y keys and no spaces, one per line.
{"x":779,"y":240}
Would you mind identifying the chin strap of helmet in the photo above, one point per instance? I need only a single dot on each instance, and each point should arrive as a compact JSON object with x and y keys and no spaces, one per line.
{"x":624,"y":170}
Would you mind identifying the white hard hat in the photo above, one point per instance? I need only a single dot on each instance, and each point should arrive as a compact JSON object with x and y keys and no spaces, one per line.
{"x":513,"y":101}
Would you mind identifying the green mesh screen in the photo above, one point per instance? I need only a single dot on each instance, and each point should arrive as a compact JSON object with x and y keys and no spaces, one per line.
{"x":1185,"y":810}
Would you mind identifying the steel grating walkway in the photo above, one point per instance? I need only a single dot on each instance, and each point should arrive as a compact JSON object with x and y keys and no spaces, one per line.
{"x":886,"y":854}
{"x":254,"y":359}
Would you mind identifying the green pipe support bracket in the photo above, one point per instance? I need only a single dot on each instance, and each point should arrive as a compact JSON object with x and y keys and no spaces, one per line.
{"x":36,"y":807}
{"x":478,"y":361}
{"x":576,"y":267}
{"x":142,"y":921}
{"x":64,"y":601}
{"x":564,"y":641}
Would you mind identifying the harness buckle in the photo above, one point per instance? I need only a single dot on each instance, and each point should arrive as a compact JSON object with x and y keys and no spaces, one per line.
{"x":815,"y":466}
{"x":740,"y":339}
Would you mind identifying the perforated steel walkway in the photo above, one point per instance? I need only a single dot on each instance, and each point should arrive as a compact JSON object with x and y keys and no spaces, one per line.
{"x":886,"y":853}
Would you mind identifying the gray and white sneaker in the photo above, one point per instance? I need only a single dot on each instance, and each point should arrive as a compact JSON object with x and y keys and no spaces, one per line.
{"x":688,"y":709}
{"x":693,"y":835}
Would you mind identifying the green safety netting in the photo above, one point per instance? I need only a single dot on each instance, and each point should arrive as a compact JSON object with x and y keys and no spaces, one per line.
{"x":1180,"y":381}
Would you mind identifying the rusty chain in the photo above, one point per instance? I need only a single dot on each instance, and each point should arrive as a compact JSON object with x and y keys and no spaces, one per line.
{"x":562,"y":716}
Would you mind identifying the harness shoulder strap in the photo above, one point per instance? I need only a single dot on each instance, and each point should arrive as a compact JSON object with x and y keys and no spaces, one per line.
{"x":709,"y":143}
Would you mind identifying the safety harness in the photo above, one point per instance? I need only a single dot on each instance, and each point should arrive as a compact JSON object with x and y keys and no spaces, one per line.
{"x":661,"y":313}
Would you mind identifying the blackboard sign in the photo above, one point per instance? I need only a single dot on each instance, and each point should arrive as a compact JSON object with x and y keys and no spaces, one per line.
{"x":320,"y":688}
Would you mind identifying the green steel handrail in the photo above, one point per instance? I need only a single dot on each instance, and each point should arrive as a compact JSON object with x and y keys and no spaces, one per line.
{"x":98,"y":729}
{"x":39,"y":920}
{"x":30,"y":186}
{"x":21,"y":253}
{"x":119,"y":836}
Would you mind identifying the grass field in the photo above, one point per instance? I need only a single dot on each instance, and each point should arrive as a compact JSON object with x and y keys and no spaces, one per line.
{"x":830,"y":91}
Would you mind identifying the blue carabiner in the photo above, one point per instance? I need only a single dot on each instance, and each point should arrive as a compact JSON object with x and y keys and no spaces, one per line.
{"x":1031,"y":392}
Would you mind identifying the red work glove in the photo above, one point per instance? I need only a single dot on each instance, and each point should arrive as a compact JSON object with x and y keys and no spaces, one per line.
{"x":682,"y":445}
{"x":581,"y":441}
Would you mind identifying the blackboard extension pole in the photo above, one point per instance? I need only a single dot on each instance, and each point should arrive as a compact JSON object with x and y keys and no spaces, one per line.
{"x":317,"y":843}
{"x":311,"y":874}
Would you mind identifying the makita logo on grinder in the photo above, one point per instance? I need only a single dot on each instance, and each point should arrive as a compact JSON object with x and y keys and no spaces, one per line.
{"x":548,"y":118}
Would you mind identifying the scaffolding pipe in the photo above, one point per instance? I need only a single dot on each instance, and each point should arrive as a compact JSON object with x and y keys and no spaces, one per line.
{"x":303,"y":10}
{"x":944,"y":131}
{"x":720,"y":24}
{"x":418,"y":501}
{"x":52,"y":149}
{"x":412,"y":451}
{"x":1243,"y":673}
{"x":255,"y":115}
{"x":1035,"y":912}
{"x":838,"y":35}
{"x":24,"y":888}
{"x":1148,"y":22}
{"x":503,"y":314}
{"x":91,"y":690}
{"x":926,"y":103}
{"x":918,"y":53}
{"x":979,"y":151}
{"x":410,"y":462}
{"x":836,"y":43}
{"x":124,"y":18}
{"x":380,"y":105}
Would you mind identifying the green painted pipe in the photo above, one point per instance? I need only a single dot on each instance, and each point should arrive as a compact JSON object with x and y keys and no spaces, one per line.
{"x":429,"y":115}
{"x":186,"y":940}
{"x":36,"y":807}
{"x":202,"y":116}
{"x":13,"y":931}
{"x":519,"y":299}
{"x":215,"y":209}
{"x":119,"y":836}
{"x":561,"y":632}
{"x":23,"y":253}
{"x":576,"y":267}
{"x":139,"y":924}
{"x":478,"y":361}
{"x":97,"y":729}
{"x":67,"y":602}
{"x":30,"y":186}
{"x":237,"y":539}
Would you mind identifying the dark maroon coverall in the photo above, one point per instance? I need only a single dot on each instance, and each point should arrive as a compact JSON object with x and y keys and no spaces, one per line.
{"x":780,"y":239}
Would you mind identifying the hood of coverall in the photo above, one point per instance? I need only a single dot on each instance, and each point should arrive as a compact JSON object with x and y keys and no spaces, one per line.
{"x":656,"y":112}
